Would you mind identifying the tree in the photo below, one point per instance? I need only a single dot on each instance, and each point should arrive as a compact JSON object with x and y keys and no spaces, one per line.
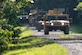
{"x":79,"y":6}
{"x":79,"y":15}
{"x":9,"y":9}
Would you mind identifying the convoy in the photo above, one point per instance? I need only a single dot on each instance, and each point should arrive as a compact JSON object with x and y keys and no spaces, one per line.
{"x":53,"y":20}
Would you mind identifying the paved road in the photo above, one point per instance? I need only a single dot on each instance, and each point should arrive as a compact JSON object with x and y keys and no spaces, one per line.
{"x":53,"y":35}
{"x":74,"y":46}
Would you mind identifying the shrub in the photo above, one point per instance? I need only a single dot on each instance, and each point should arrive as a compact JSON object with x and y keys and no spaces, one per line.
{"x":3,"y":44}
{"x":5,"y":39}
{"x":8,"y":35}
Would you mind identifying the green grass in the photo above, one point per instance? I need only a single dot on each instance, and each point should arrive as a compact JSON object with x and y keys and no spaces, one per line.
{"x":74,"y":30}
{"x":24,"y":31}
{"x":65,"y":36}
{"x":30,"y":45}
{"x":50,"y":49}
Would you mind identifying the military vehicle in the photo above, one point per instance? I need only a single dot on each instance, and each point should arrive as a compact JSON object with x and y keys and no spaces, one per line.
{"x":54,"y":20}
{"x":36,"y":15}
{"x":40,"y":21}
{"x":36,"y":19}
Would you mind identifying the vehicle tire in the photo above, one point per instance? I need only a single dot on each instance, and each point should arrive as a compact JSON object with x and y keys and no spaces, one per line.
{"x":38,"y":27}
{"x":46,"y":31}
{"x":66,"y":31}
{"x":39,"y":30}
{"x":50,"y":29}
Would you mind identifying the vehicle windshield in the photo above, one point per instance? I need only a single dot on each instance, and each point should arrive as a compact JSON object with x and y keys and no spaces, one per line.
{"x":62,"y":18}
{"x":51,"y":18}
{"x":39,"y":19}
{"x":58,"y":18}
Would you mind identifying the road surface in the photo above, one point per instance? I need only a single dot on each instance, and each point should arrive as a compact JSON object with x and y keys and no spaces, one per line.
{"x":74,"y":46}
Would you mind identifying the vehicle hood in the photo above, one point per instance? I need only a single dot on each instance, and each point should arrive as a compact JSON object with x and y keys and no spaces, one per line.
{"x":60,"y":21}
{"x":55,"y":21}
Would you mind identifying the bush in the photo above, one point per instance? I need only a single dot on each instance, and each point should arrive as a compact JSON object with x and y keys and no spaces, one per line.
{"x":3,"y":44}
{"x":5,"y":39}
{"x":79,"y":13}
{"x":8,"y":35}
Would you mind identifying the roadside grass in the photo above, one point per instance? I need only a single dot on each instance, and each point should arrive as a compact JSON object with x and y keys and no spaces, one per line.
{"x":50,"y":49}
{"x":74,"y":30}
{"x":24,"y":31}
{"x":30,"y":45}
{"x":66,"y":36}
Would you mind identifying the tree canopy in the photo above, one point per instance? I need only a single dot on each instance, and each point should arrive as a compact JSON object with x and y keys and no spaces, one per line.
{"x":79,"y":7}
{"x":9,"y":9}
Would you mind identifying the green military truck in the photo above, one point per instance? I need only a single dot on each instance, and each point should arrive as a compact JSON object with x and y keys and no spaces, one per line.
{"x":40,"y":21}
{"x":39,"y":25}
{"x":56,"y":21}
{"x":35,"y":17}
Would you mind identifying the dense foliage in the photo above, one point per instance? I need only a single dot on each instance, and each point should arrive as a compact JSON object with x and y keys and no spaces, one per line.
{"x":79,"y":15}
{"x":8,"y":35}
{"x":9,"y":9}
